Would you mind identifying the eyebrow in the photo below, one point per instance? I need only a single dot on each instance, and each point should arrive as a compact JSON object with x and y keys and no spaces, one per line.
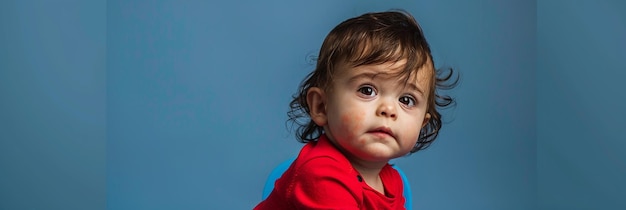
{"x":362,"y":75}
{"x":416,"y":89}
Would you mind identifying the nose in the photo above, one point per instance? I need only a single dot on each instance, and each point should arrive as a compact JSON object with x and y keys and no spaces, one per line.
{"x":387,"y":109}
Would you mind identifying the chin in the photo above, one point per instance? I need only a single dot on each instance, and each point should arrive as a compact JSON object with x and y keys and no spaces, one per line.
{"x":381,"y":154}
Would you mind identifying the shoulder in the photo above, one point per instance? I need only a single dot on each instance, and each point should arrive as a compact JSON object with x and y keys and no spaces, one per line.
{"x":327,"y":173}
{"x":322,"y":161}
{"x":322,"y":156}
{"x":321,"y":181}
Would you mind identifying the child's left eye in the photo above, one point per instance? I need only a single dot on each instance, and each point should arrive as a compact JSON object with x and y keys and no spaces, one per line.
{"x":407,"y":100}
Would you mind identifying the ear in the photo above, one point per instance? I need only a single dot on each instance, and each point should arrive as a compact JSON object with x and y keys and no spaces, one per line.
{"x":426,"y":119}
{"x":316,"y":99}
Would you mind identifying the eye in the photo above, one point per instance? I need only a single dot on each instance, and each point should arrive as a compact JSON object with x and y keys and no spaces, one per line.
{"x":407,"y":100}
{"x":367,"y":91}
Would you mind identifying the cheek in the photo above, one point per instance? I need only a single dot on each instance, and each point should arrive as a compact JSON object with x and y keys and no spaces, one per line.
{"x":352,"y":121}
{"x":413,"y":129}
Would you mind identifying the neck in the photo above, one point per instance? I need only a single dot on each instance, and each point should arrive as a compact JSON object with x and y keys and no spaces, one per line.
{"x":370,"y":173}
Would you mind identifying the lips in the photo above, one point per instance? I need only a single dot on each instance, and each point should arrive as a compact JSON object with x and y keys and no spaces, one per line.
{"x":383,"y":131}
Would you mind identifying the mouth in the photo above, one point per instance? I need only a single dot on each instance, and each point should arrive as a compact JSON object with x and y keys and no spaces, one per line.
{"x":382,"y":131}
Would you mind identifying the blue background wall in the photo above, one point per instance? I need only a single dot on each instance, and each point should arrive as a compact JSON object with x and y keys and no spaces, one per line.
{"x":197,"y":95}
{"x":52,"y":105}
{"x":581,"y":140}
{"x":181,"y":105}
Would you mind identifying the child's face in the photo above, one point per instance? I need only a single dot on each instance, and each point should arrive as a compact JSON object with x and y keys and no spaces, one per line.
{"x":374,"y":115}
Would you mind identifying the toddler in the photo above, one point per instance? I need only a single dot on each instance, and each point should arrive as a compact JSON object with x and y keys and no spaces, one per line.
{"x":371,"y":98}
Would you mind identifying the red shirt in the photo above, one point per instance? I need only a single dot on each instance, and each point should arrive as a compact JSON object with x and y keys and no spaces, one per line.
{"x":322,"y":178}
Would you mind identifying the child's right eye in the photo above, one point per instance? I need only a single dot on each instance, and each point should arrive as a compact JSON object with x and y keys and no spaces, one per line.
{"x":367,"y":90}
